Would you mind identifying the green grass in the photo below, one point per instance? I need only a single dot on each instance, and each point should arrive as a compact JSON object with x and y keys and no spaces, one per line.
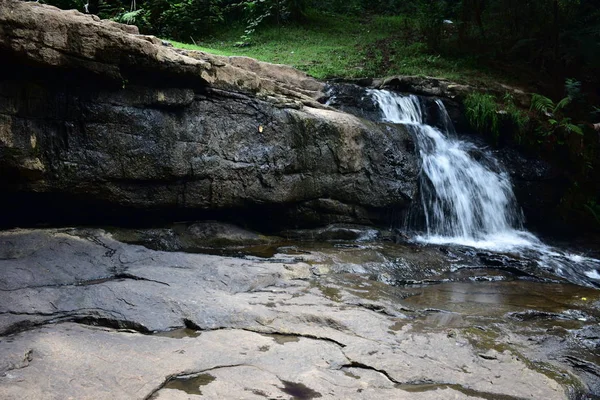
{"x":328,"y":46}
{"x":482,"y":112}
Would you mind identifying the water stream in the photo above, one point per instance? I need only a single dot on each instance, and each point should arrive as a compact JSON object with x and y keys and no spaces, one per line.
{"x":466,"y":196}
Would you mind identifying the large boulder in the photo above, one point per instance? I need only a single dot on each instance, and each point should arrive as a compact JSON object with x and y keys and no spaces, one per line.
{"x":97,"y":120}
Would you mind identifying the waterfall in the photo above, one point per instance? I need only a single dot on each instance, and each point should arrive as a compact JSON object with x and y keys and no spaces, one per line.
{"x":466,"y":196}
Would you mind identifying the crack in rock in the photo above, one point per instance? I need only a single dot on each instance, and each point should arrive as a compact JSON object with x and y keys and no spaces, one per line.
{"x":270,"y":331}
{"x":299,"y":335}
{"x":422,"y":386}
{"x":78,"y":316}
{"x":583,"y":365}
{"x":112,"y":324}
{"x":358,"y":365}
{"x":98,"y":281}
{"x":425,"y":386}
{"x":378,"y":308}
{"x":183,"y":375}
{"x":96,"y":240}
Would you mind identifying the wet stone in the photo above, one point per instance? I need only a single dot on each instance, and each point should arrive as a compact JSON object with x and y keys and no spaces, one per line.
{"x":191,"y":384}
{"x":160,"y":324}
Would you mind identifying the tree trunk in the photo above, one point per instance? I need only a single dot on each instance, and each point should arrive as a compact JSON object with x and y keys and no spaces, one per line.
{"x":556,"y":31}
{"x":557,"y":65}
{"x":465,"y":22}
{"x":478,"y":14}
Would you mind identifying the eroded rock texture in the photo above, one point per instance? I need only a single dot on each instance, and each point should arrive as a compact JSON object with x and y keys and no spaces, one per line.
{"x":84,"y":316}
{"x":91,"y":113}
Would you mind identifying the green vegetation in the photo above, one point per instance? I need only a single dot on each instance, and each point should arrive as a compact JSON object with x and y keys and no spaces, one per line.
{"x":482,"y":111}
{"x":535,"y":45}
{"x":538,"y":42}
{"x":488,"y":115}
{"x":516,"y":116}
{"x":343,"y":47}
{"x":557,"y":121}
{"x":547,"y":130}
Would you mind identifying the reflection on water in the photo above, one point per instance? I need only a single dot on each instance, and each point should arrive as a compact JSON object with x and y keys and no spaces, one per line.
{"x":499,"y":298}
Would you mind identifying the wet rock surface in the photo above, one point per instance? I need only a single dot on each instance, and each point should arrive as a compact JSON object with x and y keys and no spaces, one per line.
{"x":356,"y":100}
{"x":98,"y":122}
{"x":538,"y":186}
{"x":217,"y":153}
{"x":85,"y":316}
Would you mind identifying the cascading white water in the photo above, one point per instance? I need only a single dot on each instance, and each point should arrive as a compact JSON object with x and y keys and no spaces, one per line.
{"x":466,"y":197}
{"x":462,"y":198}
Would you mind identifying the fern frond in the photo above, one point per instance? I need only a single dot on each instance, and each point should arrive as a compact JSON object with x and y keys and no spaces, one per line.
{"x":574,"y":128}
{"x":129,"y":17}
{"x":562,"y":104}
{"x":541,"y":103}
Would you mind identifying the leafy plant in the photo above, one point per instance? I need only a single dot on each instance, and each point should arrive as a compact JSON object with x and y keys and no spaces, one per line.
{"x":258,"y":12}
{"x":515,"y":114}
{"x":482,"y":112}
{"x":556,"y":118}
{"x":130,"y":17}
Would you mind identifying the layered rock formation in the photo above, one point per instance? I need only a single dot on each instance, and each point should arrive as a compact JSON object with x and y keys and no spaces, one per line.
{"x":84,"y":316}
{"x":97,"y":116}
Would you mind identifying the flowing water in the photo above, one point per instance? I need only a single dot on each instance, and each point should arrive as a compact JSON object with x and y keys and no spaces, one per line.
{"x":466,"y":196}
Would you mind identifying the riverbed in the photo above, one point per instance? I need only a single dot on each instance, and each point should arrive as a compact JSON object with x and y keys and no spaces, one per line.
{"x":87,"y":316}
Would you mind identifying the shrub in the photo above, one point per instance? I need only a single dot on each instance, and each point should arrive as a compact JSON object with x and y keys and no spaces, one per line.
{"x":482,"y":113}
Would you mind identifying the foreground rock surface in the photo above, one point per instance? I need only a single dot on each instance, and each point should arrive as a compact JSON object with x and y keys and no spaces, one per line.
{"x":101,"y":118}
{"x":87,"y":317}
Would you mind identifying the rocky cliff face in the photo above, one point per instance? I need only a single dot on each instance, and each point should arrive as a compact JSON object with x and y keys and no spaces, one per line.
{"x":96,"y":117}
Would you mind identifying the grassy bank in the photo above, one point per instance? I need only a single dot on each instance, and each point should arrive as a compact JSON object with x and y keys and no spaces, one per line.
{"x":340,"y":46}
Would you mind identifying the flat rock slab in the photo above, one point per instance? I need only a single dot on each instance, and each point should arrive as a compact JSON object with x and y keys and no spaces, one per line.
{"x":84,"y":317}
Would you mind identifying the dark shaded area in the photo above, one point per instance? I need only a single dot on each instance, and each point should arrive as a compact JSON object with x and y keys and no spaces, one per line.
{"x":299,"y":391}
{"x":110,"y":323}
{"x":60,"y":209}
